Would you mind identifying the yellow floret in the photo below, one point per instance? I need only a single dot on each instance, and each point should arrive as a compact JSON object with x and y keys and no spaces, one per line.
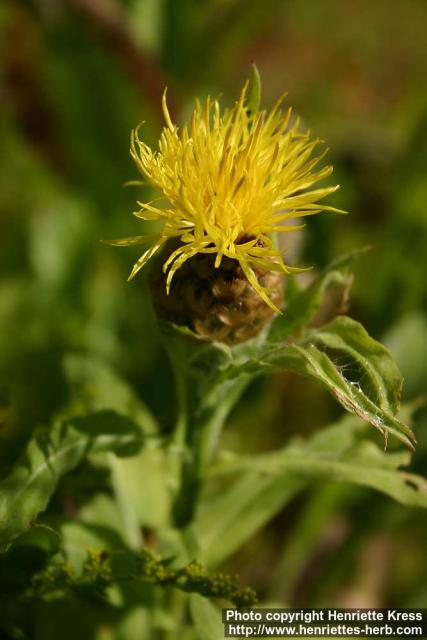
{"x":231,"y":180}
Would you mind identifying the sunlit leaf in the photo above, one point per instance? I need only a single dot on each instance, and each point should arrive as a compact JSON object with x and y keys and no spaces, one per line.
{"x":262,"y":485}
{"x":363,"y":464}
{"x":371,"y":391}
{"x":49,"y":455}
{"x":206,"y":618}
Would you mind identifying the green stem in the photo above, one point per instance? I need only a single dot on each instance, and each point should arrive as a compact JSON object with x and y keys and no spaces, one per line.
{"x":205,"y":398}
{"x":203,"y":427}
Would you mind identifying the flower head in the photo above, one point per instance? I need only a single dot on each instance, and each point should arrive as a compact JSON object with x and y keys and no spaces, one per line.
{"x":231,"y":180}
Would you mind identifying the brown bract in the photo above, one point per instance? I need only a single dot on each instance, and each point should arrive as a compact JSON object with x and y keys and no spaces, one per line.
{"x":217,"y":303}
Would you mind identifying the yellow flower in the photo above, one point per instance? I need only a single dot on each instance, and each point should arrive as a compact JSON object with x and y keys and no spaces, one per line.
{"x":230,"y":180}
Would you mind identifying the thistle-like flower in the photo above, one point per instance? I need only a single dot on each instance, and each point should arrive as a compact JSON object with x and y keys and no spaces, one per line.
{"x":231,"y":180}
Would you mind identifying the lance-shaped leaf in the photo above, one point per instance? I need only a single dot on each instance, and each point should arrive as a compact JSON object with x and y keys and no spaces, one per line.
{"x":358,"y":371}
{"x":26,"y":491}
{"x":366,"y":359}
{"x":260,"y":486}
{"x":338,"y":454}
{"x":206,"y":618}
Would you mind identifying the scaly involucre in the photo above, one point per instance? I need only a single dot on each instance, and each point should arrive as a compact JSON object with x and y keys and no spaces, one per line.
{"x":231,"y":180}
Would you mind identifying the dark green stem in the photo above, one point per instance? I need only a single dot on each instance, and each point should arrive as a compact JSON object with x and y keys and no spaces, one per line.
{"x":203,"y":428}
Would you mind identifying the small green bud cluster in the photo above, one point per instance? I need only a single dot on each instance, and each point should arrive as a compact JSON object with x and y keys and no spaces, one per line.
{"x":58,"y":579}
{"x":54,"y":581}
{"x":96,"y":569}
{"x":193,"y":579}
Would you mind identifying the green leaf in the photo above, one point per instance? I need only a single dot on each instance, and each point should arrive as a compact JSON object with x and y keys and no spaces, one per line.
{"x":358,"y":371}
{"x":99,"y":525}
{"x":206,"y":618}
{"x":381,"y":378}
{"x":226,"y":521}
{"x":338,"y":454}
{"x":150,"y":501}
{"x":29,"y":553}
{"x":95,"y":386}
{"x":260,"y":486}
{"x":311,"y":361}
{"x":254,"y":91}
{"x":49,"y":455}
{"x":302,"y":306}
{"x":135,"y":623}
{"x":325,"y":501}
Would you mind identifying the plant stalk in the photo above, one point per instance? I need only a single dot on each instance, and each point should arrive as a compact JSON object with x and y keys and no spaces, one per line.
{"x":202,"y":431}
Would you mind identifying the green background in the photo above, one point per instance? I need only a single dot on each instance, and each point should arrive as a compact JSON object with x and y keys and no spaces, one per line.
{"x":75,"y":77}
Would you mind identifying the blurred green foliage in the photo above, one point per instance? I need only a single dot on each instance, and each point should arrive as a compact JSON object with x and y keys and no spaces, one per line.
{"x":75,"y":77}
